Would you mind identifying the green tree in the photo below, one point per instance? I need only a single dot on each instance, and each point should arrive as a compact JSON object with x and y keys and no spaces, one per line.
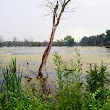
{"x":38,"y":44}
{"x":69,"y":40}
{"x":60,"y":43}
{"x":107,"y":37}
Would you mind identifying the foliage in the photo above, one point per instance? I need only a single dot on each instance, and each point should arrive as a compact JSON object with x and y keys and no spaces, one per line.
{"x":11,"y":82}
{"x":97,"y":40}
{"x":97,"y":79}
{"x":98,"y":96}
{"x":13,"y":97}
{"x":92,"y":103}
{"x":70,"y":94}
{"x":27,"y":100}
{"x":60,"y":43}
{"x":69,"y":40}
{"x":38,"y":44}
{"x":31,"y":43}
{"x":108,"y":37}
{"x":102,"y":39}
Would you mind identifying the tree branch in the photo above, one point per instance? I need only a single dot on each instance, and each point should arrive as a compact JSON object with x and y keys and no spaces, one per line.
{"x":67,"y":2}
{"x":55,"y":13}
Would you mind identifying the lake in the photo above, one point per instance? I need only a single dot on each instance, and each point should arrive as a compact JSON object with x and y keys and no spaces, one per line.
{"x":33,"y":55}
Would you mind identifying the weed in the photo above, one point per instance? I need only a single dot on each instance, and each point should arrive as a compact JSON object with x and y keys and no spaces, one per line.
{"x":97,"y":79}
{"x":69,"y":84}
{"x":11,"y":82}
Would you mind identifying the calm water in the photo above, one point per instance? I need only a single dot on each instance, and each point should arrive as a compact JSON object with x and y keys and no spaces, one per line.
{"x":60,"y":50}
{"x":32,"y":55}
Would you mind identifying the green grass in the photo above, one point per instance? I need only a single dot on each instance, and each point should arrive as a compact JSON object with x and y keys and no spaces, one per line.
{"x":11,"y":83}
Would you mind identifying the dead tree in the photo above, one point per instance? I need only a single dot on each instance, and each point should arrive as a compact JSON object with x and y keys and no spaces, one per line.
{"x":57,"y":11}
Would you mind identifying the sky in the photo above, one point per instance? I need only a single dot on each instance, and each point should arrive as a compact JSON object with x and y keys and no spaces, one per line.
{"x":26,"y":19}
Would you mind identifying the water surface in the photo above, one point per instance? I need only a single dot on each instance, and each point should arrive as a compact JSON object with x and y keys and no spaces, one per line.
{"x":33,"y":55}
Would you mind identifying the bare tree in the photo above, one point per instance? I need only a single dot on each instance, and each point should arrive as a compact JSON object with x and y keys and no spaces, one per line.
{"x":57,"y":8}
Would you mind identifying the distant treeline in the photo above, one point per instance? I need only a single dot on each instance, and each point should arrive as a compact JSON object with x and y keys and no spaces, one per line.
{"x":96,"y":40}
{"x":67,"y":41}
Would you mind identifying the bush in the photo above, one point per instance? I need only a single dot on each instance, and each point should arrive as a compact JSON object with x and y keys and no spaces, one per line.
{"x":98,"y":95}
{"x":97,"y":79}
{"x":70,"y":96}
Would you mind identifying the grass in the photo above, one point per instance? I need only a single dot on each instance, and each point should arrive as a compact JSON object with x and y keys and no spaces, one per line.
{"x":72,"y":92}
{"x":11,"y":82}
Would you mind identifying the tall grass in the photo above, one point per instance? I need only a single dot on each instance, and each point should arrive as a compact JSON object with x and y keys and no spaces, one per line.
{"x":11,"y":82}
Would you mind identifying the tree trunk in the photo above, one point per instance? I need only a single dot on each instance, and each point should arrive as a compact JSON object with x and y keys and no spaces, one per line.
{"x":56,"y":20}
{"x":46,"y":53}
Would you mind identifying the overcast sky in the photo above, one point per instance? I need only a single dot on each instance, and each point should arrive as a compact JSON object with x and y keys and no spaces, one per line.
{"x":24,"y":19}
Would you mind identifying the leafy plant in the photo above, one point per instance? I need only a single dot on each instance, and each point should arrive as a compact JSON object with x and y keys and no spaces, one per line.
{"x":98,"y":95}
{"x":70,"y":94}
{"x":13,"y":97}
{"x":97,"y":79}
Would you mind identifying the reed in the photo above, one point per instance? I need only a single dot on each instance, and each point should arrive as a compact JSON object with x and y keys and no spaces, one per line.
{"x":11,"y":81}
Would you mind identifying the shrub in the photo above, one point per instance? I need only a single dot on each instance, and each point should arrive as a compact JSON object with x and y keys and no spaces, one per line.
{"x":97,"y":79}
{"x":70,"y":94}
{"x":98,"y":96}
